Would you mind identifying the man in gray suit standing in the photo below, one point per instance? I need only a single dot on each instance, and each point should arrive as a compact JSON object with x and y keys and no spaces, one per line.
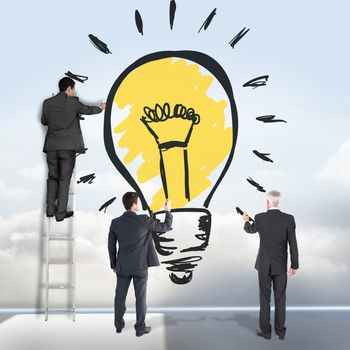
{"x":64,"y":138}
{"x":136,"y":253}
{"x":276,"y":229}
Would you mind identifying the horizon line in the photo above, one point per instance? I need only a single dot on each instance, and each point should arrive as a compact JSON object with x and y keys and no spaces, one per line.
{"x":171,"y":309}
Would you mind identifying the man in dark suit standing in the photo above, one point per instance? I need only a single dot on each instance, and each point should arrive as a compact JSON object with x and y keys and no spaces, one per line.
{"x":64,"y":138}
{"x":276,"y":229}
{"x":136,"y":253}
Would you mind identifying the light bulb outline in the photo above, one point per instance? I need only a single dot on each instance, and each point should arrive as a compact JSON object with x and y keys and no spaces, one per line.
{"x":204,"y":61}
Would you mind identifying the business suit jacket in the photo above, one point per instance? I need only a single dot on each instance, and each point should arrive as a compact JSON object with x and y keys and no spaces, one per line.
{"x":276,"y":229}
{"x":60,"y":114}
{"x":133,"y":233}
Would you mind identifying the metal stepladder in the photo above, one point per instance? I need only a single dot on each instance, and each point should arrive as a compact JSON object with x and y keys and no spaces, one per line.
{"x":70,"y":238}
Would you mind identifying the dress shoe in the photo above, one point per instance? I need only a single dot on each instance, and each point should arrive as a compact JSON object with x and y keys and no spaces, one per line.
{"x":50,"y":212}
{"x":64,"y":215}
{"x":119,"y":330}
{"x":143,"y":331}
{"x":265,"y":335}
{"x":281,"y":334}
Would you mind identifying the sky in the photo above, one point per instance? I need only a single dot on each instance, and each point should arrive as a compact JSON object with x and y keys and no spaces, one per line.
{"x":302,"y":46}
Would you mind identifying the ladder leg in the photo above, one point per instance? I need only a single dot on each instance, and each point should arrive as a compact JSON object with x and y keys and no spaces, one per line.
{"x":71,"y":284}
{"x":73,"y":246}
{"x":47,"y":270}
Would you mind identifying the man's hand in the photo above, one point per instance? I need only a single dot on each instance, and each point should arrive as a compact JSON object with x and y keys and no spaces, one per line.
{"x":102,"y":106}
{"x":245,"y":217}
{"x":292,"y":272}
{"x":167,"y":206}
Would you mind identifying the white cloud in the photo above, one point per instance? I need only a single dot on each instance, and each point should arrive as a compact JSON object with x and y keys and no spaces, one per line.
{"x":337,"y":168}
{"x":225,"y":276}
{"x":36,"y":173}
{"x":8,"y":192}
{"x":326,"y":244}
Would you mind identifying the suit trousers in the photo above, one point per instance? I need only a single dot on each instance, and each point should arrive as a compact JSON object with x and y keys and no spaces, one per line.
{"x":279,"y":283}
{"x":60,"y":165}
{"x":140,"y":287}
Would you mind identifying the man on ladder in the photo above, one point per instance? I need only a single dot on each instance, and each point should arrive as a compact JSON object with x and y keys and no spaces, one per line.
{"x":63,"y":139}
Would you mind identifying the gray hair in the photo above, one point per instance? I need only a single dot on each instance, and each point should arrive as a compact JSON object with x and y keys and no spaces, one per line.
{"x":273,"y":197}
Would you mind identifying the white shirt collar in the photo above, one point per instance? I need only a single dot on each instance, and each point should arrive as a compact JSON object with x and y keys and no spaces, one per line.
{"x":273,"y":208}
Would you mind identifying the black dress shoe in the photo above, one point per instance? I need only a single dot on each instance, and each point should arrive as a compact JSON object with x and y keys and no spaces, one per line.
{"x":62,"y":216}
{"x":265,"y":335}
{"x":282,"y":334}
{"x":50,"y":212}
{"x":143,"y":331}
{"x":119,"y":330}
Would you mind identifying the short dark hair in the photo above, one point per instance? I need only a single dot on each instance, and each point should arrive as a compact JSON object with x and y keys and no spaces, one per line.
{"x":65,"y":82}
{"x":129,"y":199}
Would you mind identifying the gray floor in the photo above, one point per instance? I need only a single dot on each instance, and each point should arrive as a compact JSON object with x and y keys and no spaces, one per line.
{"x":173,"y":331}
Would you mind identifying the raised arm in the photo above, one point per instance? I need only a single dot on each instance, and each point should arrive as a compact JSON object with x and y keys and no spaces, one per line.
{"x":112,"y":249}
{"x":157,"y":226}
{"x":250,"y":227}
{"x":84,"y":109}
{"x":293,"y":246}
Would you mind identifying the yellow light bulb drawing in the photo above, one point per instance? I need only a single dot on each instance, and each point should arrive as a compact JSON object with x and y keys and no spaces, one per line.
{"x":176,"y":133}
{"x":169,"y":97}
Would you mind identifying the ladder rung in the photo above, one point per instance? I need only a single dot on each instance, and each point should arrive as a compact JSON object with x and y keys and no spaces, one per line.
{"x":60,"y":286}
{"x":61,"y":238}
{"x":60,"y":261}
{"x":53,"y":310}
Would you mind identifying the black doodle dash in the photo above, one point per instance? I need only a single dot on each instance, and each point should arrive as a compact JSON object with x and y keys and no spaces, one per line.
{"x":138,"y":21}
{"x":207,"y":22}
{"x":238,"y":37}
{"x":80,"y":78}
{"x":108,"y":203}
{"x":270,"y":119}
{"x":87,"y":178}
{"x":257,"y":82}
{"x":172,"y":10}
{"x":100,"y":45}
{"x":263,"y":156}
{"x":255,"y":184}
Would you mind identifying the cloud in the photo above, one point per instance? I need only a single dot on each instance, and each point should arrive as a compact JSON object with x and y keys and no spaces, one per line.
{"x":22,"y":258}
{"x":225,"y":276}
{"x":337,"y":168}
{"x":327,"y":244}
{"x":16,"y":193}
{"x":36,"y":173}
